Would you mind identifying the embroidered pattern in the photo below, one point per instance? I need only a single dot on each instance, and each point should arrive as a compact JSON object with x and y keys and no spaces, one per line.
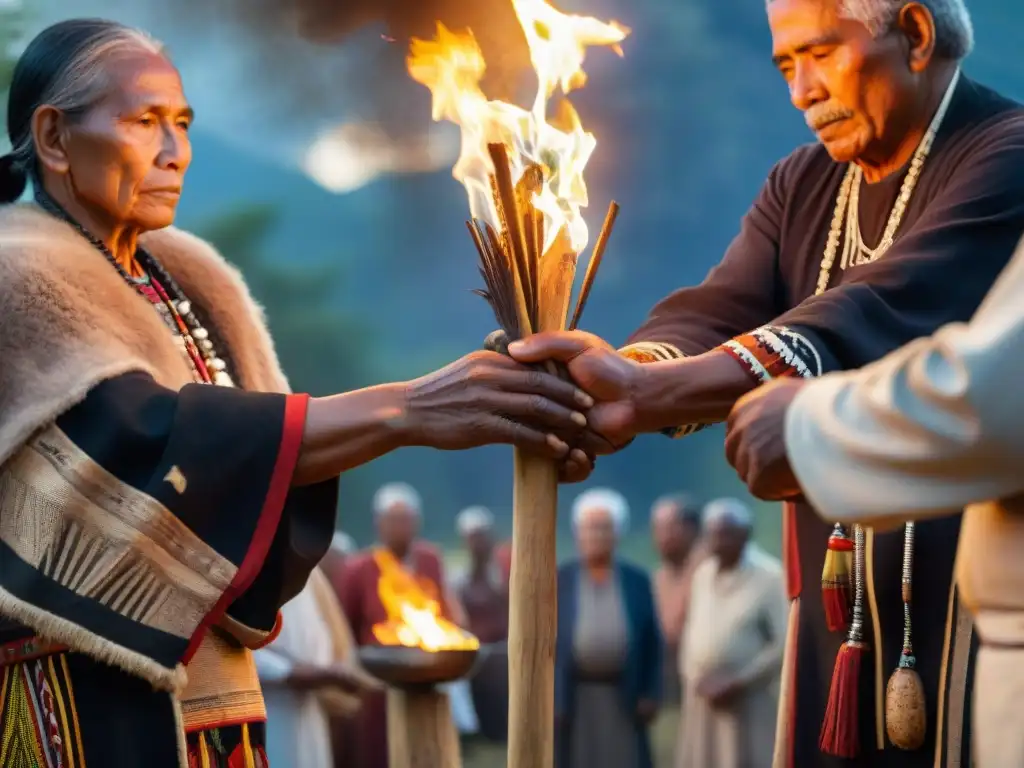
{"x":38,"y":720}
{"x":774,"y":351}
{"x":79,"y":526}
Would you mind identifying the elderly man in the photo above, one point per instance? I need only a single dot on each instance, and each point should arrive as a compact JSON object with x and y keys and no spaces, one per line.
{"x":916,"y":163}
{"x":608,"y":653}
{"x":675,"y":529}
{"x":397,"y":510}
{"x":483,"y":592}
{"x":734,"y":645}
{"x":925,"y":430}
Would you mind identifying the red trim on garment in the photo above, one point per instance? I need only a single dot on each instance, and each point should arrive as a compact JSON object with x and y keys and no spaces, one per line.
{"x":791,"y":550}
{"x":270,"y":516}
{"x":272,"y":635}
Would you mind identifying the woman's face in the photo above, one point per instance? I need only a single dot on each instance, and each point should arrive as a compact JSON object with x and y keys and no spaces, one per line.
{"x":595,"y":535}
{"x":126,"y":157}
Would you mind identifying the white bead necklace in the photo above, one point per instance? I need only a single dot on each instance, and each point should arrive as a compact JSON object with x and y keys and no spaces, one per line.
{"x":847,"y":209}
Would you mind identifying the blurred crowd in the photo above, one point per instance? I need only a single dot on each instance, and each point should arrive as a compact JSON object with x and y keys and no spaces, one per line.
{"x":675,"y":669}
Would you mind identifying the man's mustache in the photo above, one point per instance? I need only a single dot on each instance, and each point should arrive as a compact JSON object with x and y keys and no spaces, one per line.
{"x":818,"y":116}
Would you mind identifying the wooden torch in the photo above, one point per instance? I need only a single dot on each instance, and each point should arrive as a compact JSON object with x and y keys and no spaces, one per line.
{"x":529,"y":289}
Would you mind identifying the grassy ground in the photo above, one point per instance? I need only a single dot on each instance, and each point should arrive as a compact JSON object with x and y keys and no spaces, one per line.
{"x":663,"y":741}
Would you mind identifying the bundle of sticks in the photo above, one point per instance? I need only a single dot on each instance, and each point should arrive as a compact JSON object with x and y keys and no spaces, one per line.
{"x":528,"y":289}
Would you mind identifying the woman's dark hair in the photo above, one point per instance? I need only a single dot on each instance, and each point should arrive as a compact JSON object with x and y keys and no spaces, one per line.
{"x":64,"y":68}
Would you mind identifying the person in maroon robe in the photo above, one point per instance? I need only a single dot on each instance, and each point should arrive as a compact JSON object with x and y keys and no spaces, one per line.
{"x":928,"y":166}
{"x":482,"y":589}
{"x":397,"y":512}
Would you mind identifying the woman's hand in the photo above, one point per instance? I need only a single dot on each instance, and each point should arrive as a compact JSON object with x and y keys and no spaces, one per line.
{"x":486,"y":398}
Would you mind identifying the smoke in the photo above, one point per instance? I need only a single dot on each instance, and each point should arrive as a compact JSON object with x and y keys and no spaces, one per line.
{"x":318,"y":85}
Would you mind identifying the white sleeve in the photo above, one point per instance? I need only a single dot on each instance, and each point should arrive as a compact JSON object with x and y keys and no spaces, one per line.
{"x":924,"y":431}
{"x":271,"y":667}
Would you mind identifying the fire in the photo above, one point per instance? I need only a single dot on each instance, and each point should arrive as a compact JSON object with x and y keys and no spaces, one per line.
{"x":452,"y":66}
{"x":414,"y":616}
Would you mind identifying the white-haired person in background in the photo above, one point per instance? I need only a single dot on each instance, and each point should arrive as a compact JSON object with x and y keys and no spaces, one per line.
{"x":309,"y":673}
{"x":344,"y":720}
{"x":733,"y":647}
{"x":397,"y":513}
{"x":609,"y":647}
{"x":482,"y":589}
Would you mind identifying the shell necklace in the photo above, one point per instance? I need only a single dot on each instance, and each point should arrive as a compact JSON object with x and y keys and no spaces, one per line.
{"x":847,"y":209}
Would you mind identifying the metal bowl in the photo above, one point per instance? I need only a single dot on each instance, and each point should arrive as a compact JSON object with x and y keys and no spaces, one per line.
{"x":402,"y":667}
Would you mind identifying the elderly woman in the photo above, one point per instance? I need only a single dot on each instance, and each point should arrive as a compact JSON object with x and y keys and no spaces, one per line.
{"x":608,"y":653}
{"x":162,"y":494}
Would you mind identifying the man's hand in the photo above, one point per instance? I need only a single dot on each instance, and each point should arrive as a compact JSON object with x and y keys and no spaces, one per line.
{"x":646,"y":710}
{"x":598,"y":369}
{"x":755,"y":443}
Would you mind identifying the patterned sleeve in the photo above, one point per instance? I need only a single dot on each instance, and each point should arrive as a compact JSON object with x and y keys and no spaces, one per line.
{"x":145,"y":517}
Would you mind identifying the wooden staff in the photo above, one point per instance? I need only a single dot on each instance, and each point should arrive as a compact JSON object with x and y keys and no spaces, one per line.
{"x":421,"y":733}
{"x":530,"y":292}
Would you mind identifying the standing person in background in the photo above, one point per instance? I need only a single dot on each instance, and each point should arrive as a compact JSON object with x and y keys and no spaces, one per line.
{"x":733,"y":647}
{"x":608,"y":652}
{"x":483,"y":592}
{"x":344,"y":721}
{"x":675,"y":530}
{"x":398,"y":513}
{"x":307,"y":672}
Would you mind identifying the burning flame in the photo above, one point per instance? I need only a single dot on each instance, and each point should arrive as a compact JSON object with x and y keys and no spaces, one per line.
{"x":452,"y":66}
{"x":414,"y":616}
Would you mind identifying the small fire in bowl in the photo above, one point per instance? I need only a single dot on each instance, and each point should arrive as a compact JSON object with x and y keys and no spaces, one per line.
{"x":416,"y":644}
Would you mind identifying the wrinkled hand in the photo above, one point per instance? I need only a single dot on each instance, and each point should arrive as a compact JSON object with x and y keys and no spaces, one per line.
{"x":755,"y":442}
{"x":597,"y":368}
{"x":486,"y":398}
{"x":718,"y":689}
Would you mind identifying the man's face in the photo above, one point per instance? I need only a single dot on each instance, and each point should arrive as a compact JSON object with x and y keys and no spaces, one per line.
{"x":670,"y":534}
{"x":846,"y":82}
{"x":398,"y":526}
{"x":478,"y":542}
{"x":727,"y":541}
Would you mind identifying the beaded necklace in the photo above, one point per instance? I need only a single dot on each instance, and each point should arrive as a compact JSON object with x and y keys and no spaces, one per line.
{"x":844,"y":576}
{"x":209,"y":367}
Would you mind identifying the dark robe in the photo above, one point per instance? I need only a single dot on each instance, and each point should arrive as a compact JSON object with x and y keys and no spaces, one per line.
{"x":238,"y":451}
{"x":637,"y":668}
{"x":363,"y":608}
{"x":484,"y":596}
{"x":963,"y":221}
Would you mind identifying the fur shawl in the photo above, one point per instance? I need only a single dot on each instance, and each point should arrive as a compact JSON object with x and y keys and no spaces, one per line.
{"x":68,"y":321}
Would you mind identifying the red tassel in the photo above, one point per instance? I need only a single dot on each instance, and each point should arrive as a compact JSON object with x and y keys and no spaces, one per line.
{"x":837,"y":581}
{"x":840,"y":731}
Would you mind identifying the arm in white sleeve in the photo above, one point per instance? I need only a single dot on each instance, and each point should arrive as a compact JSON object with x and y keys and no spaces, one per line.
{"x":924,"y":431}
{"x":271,"y":667}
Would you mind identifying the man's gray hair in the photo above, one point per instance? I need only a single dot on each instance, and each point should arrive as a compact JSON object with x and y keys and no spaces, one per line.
{"x":83,"y":79}
{"x":342,"y":543}
{"x":731,"y":512}
{"x":473,"y":519}
{"x":954,"y":33}
{"x":611,"y":501}
{"x":394,"y":494}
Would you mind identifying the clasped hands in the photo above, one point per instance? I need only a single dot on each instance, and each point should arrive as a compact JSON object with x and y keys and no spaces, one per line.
{"x":488,"y":397}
